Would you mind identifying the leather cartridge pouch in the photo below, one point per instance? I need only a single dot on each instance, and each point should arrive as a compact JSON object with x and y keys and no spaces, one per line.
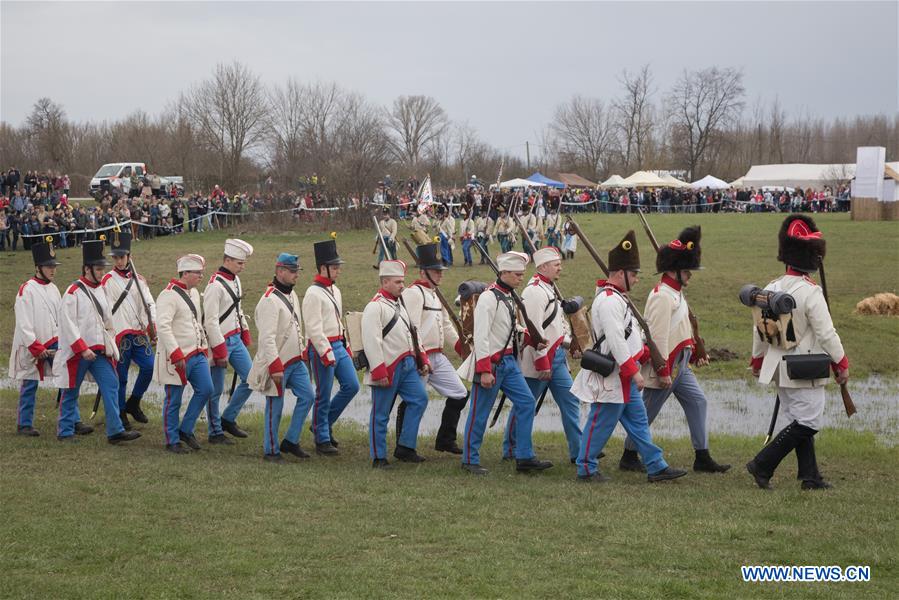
{"x":808,"y":366}
{"x":596,"y":361}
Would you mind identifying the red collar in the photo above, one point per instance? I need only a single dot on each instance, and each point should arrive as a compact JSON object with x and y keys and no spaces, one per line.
{"x":387,"y":295}
{"x":125,"y":274}
{"x":88,"y":282}
{"x":543,"y":278}
{"x":670,"y":282}
{"x":612,"y":285}
{"x":322,"y":281}
{"x":600,"y":283}
{"x":422,"y":283}
{"x":795,"y":273}
{"x":179,"y":283}
{"x":40,"y":281}
{"x":225,"y":273}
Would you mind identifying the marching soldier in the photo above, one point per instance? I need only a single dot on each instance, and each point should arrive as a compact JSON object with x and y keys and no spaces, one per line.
{"x":229,"y":336}
{"x":616,"y":397}
{"x":446,"y":229}
{"x":532,"y":225}
{"x":467,"y":230}
{"x":392,"y":357}
{"x":181,"y":353}
{"x":484,"y":227}
{"x":547,"y":368}
{"x":669,"y":325}
{"x":493,"y":366}
{"x":434,"y":331}
{"x":133,"y":327}
{"x":554,"y":229}
{"x":422,"y":223}
{"x":327,"y":350}
{"x":505,"y":230}
{"x":801,"y":395}
{"x":36,"y":335}
{"x":86,"y":346}
{"x":388,"y":229}
{"x":278,"y":364}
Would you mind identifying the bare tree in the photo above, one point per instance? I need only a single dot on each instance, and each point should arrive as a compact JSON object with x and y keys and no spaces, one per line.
{"x":49,"y":130}
{"x":229,"y":114}
{"x":416,"y":122}
{"x":286,"y":129}
{"x":363,"y":144}
{"x":583,"y":134}
{"x":634,"y":115}
{"x":702,"y":104}
{"x":776,"y":122}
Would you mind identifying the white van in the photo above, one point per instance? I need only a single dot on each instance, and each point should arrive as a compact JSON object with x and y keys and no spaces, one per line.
{"x":116,"y":176}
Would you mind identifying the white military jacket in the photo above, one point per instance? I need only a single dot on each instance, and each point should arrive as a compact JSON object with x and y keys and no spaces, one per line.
{"x":623,"y":339}
{"x":216,"y":303}
{"x":130,"y":317}
{"x":280,"y":342}
{"x":484,"y":226}
{"x":82,"y":327}
{"x":504,"y":226}
{"x":813,"y":328}
{"x":421,"y":223}
{"x":322,"y":317}
{"x":467,"y":229}
{"x":388,"y":228}
{"x":540,"y":301}
{"x":385,"y":352}
{"x":180,"y":333}
{"x":667,"y":315}
{"x":37,"y":327}
{"x":495,"y":331}
{"x":434,"y":326}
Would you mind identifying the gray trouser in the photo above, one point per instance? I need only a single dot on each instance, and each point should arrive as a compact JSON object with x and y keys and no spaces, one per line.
{"x":687,"y":391}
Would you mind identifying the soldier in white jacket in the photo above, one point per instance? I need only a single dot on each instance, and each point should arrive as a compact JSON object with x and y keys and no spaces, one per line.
{"x":87,"y":346}
{"x":182,"y":353}
{"x":229,"y":337}
{"x":35,"y":339}
{"x":392,"y":358}
{"x":135,"y":329}
{"x":278,"y":364}
{"x":446,"y":230}
{"x":467,"y":231}
{"x":483,"y":232}
{"x":802,"y":400}
{"x":388,"y":228}
{"x":616,"y":397}
{"x":493,"y":366}
{"x":434,"y":332}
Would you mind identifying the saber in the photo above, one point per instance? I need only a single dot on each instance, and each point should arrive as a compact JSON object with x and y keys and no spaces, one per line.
{"x":540,"y":401}
{"x":502,"y":401}
{"x":773,"y":420}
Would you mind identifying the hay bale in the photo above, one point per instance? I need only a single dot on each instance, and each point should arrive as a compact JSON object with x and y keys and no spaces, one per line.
{"x":884,"y":303}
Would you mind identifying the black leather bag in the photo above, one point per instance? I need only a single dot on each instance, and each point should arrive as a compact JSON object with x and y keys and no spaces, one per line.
{"x":808,"y":366}
{"x":596,"y":361}
{"x":360,"y":361}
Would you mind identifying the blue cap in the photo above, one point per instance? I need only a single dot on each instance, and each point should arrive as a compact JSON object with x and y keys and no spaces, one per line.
{"x":288,"y":261}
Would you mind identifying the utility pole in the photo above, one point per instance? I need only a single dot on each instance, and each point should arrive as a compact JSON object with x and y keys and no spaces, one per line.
{"x":527,"y":149}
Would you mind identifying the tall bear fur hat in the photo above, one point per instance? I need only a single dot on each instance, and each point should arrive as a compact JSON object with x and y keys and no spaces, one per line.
{"x":681,"y":254}
{"x":800,"y":243}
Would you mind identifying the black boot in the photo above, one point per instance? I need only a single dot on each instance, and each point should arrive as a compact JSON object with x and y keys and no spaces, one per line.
{"x":762,"y":467}
{"x":409,"y":455}
{"x":123,"y":436}
{"x":446,"y":435}
{"x":531,"y":465}
{"x":631,"y":462}
{"x":232,"y":428}
{"x":294,"y":449}
{"x":132,"y":407}
{"x":704,"y":463}
{"x":125,"y":422}
{"x":808,"y":466}
{"x":82,"y":429}
{"x":27,"y":430}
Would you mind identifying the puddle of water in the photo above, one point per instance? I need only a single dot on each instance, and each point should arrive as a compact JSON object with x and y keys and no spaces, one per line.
{"x":734,"y":407}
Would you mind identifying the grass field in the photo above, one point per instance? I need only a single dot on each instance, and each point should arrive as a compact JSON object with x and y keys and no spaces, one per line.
{"x":89,"y":519}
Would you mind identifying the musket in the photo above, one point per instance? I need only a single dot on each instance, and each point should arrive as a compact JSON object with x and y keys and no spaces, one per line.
{"x":575,"y":345}
{"x":457,"y":324}
{"x":848,"y":404}
{"x":658,"y":361}
{"x":380,"y":240}
{"x":694,"y":322}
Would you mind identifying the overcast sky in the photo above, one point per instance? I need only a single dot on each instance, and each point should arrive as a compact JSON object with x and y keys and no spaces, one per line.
{"x":503,"y":67}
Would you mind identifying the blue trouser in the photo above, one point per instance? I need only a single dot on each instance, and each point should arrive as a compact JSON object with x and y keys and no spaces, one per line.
{"x":407,"y":384}
{"x":391,"y":248}
{"x":142,"y":355}
{"x":197,"y":372}
{"x":510,"y":380}
{"x":104,"y":374}
{"x":446,"y":252}
{"x":601,"y":423}
{"x":296,"y":379}
{"x":687,"y":391}
{"x":326,"y":410}
{"x":466,"y":250}
{"x":505,"y":242}
{"x":569,"y":406}
{"x":27,"y":395}
{"x":240,"y":360}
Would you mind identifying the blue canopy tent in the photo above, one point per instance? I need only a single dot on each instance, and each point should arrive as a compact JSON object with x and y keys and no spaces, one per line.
{"x":540,"y":178}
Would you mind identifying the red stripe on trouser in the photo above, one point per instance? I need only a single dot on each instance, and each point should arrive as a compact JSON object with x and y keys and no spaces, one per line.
{"x":590,"y":437}
{"x":474,"y":413}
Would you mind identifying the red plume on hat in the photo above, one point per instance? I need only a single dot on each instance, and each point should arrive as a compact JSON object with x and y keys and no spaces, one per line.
{"x":800,"y":243}
{"x":681,"y":254}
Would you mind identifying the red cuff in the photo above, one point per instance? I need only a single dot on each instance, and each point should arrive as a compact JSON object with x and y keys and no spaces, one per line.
{"x":245,"y":337}
{"x":327,"y":359}
{"x":645,"y":356}
{"x":629,"y":368}
{"x":664,"y":371}
{"x":756,"y":362}
{"x":542,"y":363}
{"x":36,"y":348}
{"x":840,"y":366}
{"x":276,"y":367}
{"x":424,"y":358}
{"x":379,"y":372}
{"x":347,"y":348}
{"x":458,"y":347}
{"x":176,"y":356}
{"x":220,"y":352}
{"x":79,"y":346}
{"x":485,"y":365}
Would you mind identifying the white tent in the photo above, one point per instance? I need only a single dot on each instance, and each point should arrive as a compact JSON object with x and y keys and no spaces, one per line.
{"x":518,"y":183}
{"x":798,"y":175}
{"x":712,"y":183}
{"x":613,"y":181}
{"x":737,"y":183}
{"x":644,"y":179}
{"x":674,"y":182}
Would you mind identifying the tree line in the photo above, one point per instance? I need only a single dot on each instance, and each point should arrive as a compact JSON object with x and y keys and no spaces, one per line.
{"x":233,"y":129}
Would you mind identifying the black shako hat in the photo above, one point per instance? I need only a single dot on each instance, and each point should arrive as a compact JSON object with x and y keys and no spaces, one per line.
{"x":800,"y":243}
{"x":682,"y":254}
{"x":120,"y":244}
{"x":44,"y":254}
{"x":625,"y":256}
{"x":428,"y":257}
{"x":326,"y":253}
{"x":92,"y":253}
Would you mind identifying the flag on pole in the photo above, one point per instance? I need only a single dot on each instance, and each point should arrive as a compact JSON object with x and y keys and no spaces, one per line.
{"x":425,"y":195}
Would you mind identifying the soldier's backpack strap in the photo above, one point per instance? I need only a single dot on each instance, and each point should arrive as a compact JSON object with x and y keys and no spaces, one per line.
{"x":500,"y":297}
{"x":93,"y":298}
{"x":235,"y":301}
{"x":392,"y":322}
{"x":124,"y":294}
{"x":287,"y":303}
{"x":187,"y":300}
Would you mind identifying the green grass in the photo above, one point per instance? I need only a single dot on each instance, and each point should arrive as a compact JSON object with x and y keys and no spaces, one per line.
{"x":89,"y":520}
{"x":737,"y":249}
